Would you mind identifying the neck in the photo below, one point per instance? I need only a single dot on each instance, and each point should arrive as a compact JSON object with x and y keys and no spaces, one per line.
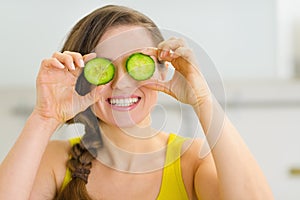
{"x":134,"y":149}
{"x":131,"y":139}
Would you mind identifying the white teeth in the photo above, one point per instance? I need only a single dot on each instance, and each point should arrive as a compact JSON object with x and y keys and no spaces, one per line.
{"x":123,"y":102}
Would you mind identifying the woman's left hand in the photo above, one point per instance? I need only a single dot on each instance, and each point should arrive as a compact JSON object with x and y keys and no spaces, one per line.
{"x":188,"y":84}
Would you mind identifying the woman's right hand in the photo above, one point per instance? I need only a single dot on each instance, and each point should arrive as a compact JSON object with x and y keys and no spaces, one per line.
{"x":56,"y":80}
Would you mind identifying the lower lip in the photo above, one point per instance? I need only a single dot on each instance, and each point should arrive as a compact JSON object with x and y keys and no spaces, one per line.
{"x":124,"y":108}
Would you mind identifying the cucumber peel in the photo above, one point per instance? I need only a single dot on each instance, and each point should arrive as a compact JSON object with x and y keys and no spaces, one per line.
{"x":140,"y":66}
{"x":99,"y":71}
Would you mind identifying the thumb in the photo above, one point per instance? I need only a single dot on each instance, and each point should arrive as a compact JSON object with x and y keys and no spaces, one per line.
{"x":92,"y":97}
{"x":161,"y":86}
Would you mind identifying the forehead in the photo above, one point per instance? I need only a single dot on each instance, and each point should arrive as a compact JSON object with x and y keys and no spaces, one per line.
{"x":120,"y":40}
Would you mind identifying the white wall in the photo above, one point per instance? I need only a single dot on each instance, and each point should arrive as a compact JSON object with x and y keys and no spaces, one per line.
{"x":239,"y":35}
{"x":288,"y":37}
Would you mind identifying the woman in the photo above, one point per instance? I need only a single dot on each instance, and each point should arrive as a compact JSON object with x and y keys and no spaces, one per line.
{"x":105,"y":162}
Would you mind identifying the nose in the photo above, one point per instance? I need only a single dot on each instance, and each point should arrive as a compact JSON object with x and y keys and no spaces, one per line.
{"x":122,"y":80}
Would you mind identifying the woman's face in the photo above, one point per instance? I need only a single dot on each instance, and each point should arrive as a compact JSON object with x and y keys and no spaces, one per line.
{"x":125,"y":102}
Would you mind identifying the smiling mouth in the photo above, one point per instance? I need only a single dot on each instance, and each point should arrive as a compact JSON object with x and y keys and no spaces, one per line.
{"x":123,"y":102}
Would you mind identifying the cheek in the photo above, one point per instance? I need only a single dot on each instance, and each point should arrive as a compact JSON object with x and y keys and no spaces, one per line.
{"x":98,"y":110}
{"x":150,"y":99}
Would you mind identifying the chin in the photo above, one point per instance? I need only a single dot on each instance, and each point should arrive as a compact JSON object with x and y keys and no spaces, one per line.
{"x":125,"y":120}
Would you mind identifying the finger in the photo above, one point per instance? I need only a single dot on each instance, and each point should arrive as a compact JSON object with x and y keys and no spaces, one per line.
{"x":157,"y":85}
{"x":184,"y":52}
{"x":151,"y":51}
{"x":66,"y":59}
{"x":77,"y":71}
{"x":182,"y":58}
{"x":89,"y":56}
{"x":77,"y":58}
{"x":52,"y":62}
{"x":92,"y":97}
{"x":168,"y":47}
{"x":171,"y":44}
{"x":85,"y":59}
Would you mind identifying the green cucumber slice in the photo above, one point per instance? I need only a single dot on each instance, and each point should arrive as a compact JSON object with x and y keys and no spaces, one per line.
{"x":140,"y":66}
{"x":99,"y":71}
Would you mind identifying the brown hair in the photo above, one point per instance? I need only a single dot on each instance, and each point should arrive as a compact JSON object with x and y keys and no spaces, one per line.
{"x":83,"y":38}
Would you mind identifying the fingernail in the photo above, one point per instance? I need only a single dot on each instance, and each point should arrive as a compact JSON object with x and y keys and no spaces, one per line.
{"x":81,"y":62}
{"x":60,"y":65}
{"x":171,"y":52}
{"x":72,"y":66}
{"x":161,"y":54}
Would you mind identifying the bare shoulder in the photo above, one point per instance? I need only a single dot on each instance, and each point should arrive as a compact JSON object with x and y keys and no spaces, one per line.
{"x":198,"y":155}
{"x":56,"y":157}
{"x":58,"y":149}
{"x":190,"y":159}
{"x":198,"y":169}
{"x":52,"y":170}
{"x":204,"y":173}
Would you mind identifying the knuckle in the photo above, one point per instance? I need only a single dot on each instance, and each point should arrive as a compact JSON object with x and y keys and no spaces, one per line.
{"x":68,"y":58}
{"x":160,"y":45}
{"x":77,"y":54}
{"x":47,"y":62}
{"x":73,"y":54}
{"x":73,"y":57}
{"x":66,"y":52}
{"x":44,"y":62}
{"x":181,"y":41}
{"x":55,"y":54}
{"x":188,"y":51}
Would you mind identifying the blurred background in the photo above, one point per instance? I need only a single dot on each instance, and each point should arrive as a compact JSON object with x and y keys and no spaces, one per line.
{"x":254,"y":44}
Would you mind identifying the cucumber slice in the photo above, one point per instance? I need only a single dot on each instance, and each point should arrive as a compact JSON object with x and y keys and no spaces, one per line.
{"x":140,"y":66}
{"x":99,"y":71}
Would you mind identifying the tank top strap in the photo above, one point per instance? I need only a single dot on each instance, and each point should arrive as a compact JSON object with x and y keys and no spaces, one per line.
{"x":68,"y":175}
{"x":172,"y":186}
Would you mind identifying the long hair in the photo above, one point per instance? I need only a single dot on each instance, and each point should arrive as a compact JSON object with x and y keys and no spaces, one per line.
{"x":83,"y":38}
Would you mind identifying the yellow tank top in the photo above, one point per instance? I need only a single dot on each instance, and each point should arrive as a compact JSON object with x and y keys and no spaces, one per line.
{"x":172,"y":186}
